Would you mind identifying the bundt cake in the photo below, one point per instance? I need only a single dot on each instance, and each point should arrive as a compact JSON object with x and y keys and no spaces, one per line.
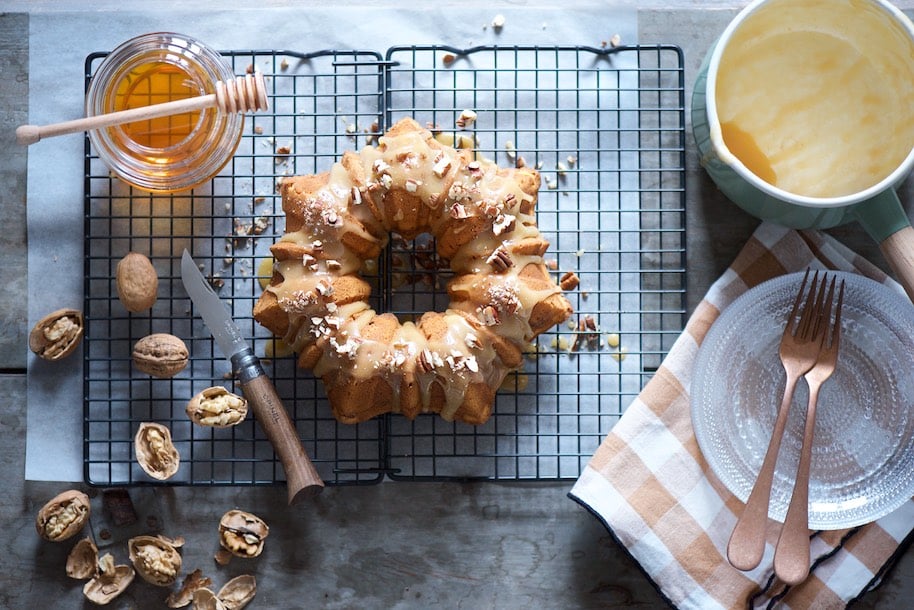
{"x":482,"y":219}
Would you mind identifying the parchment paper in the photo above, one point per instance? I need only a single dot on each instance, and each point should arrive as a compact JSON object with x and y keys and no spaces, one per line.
{"x":59,"y":43}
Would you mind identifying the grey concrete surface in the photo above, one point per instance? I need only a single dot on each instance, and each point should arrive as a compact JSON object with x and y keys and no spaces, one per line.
{"x":398,"y":545}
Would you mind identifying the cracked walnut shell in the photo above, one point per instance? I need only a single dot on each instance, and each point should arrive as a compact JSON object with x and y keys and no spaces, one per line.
{"x":160,"y":355}
{"x":110,"y":581}
{"x":57,"y":335}
{"x":242,"y":534}
{"x":82,"y":562}
{"x":63,"y":516}
{"x":155,"y":559}
{"x":217,"y":407}
{"x":155,"y":452}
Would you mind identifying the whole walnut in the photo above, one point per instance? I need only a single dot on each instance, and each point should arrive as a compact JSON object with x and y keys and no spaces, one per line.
{"x":137,"y":282}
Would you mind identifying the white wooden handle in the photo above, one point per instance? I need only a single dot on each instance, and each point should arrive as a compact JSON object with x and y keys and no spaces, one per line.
{"x":245,"y":93}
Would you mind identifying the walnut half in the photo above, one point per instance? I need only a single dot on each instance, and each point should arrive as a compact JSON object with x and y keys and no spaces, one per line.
{"x":155,"y":559}
{"x":63,"y":516}
{"x":242,"y":534}
{"x":217,"y":407}
{"x":155,"y":452}
{"x":57,"y":335}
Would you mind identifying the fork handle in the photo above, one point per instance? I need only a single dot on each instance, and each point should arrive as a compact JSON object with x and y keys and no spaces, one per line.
{"x":747,"y":542}
{"x":791,"y":557}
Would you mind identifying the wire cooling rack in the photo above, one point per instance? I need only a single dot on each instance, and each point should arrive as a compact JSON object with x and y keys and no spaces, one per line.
{"x":606,"y":129}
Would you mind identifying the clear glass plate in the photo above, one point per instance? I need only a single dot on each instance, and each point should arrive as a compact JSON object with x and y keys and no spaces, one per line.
{"x":863,"y":452}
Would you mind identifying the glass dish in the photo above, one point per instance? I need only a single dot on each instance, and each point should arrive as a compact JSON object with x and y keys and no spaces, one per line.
{"x":863,"y":451}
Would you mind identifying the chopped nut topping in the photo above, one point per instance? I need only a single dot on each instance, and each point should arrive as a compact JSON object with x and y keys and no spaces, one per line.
{"x":442,"y":166}
{"x":356,"y":196}
{"x":386,"y":181}
{"x":510,"y":151}
{"x":472,"y":341}
{"x":309,"y":262}
{"x":412,"y":185}
{"x":332,"y":218}
{"x":504,"y":223}
{"x":380,"y":167}
{"x":459,"y":212}
{"x":552,"y":264}
{"x":500,"y":259}
{"x":489,"y":315}
{"x":561,"y":169}
{"x":569,"y":281}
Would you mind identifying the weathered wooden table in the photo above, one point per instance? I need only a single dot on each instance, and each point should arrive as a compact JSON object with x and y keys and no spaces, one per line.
{"x":390,"y":545}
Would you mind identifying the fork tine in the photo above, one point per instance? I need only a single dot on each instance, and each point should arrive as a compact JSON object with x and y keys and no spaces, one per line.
{"x":835,"y":338}
{"x":791,"y":325}
{"x":809,"y":310}
{"x":823,"y":309}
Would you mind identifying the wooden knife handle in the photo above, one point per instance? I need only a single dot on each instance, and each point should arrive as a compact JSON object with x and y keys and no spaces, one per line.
{"x":302,"y":479}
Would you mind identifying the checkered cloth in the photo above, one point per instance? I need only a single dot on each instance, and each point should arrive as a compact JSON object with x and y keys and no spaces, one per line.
{"x":651,"y":487}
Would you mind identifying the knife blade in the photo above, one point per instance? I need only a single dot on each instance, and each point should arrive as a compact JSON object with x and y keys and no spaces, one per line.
{"x":302,"y":478}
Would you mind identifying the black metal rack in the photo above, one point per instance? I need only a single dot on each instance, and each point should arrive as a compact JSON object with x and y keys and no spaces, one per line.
{"x":606,"y":127}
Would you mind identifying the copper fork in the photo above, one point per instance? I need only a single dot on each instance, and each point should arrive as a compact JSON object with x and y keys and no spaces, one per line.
{"x":798,"y":351}
{"x":791,"y":556}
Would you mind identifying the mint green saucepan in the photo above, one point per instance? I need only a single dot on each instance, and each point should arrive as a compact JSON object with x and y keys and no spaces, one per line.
{"x":803,"y":113}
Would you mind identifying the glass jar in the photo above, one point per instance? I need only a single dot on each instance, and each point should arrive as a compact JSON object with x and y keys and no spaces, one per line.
{"x":166,"y":154}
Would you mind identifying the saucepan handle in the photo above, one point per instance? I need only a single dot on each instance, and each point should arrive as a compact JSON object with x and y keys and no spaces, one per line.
{"x":885,"y":220}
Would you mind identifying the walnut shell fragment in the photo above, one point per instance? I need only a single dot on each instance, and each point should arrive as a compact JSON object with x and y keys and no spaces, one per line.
{"x":155,"y":452}
{"x":217,"y":407}
{"x":110,"y":581}
{"x":160,"y":355}
{"x":205,"y":599}
{"x":183,"y":596}
{"x":155,"y":559}
{"x":57,"y":335}
{"x":236,"y":593}
{"x":242,"y":534}
{"x":82,"y":562}
{"x":63,"y":516}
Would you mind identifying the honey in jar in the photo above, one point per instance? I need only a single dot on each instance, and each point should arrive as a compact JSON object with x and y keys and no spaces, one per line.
{"x":164,"y":154}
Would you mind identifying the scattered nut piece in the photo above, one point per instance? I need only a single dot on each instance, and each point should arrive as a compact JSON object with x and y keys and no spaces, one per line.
{"x":160,"y":355}
{"x":561,"y":169}
{"x":612,"y":340}
{"x":569,"y":281}
{"x":498,"y":22}
{"x":448,"y":58}
{"x":510,"y":151}
{"x":284,"y":64}
{"x":258,"y":130}
{"x":63,"y":516}
{"x":183,"y":596}
{"x":217,"y":407}
{"x":466,"y":118}
{"x":57,"y":335}
{"x":110,"y":581}
{"x":242,"y":534}
{"x":236,"y":593}
{"x":137,"y":282}
{"x":552,"y":185}
{"x":619,"y":356}
{"x":155,"y":559}
{"x":82,"y":562}
{"x":615,"y":41}
{"x":155,"y":452}
{"x":222,"y":557}
{"x":572,"y":160}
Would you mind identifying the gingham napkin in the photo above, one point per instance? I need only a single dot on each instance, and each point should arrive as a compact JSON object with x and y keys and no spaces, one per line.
{"x":651,"y":487}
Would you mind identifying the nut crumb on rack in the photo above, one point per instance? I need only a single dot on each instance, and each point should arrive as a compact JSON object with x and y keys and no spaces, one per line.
{"x":466,"y":118}
{"x":448,"y":58}
{"x":552,"y":264}
{"x":498,"y":22}
{"x":510,"y":151}
{"x":569,"y":281}
{"x":615,"y":41}
{"x":284,"y":64}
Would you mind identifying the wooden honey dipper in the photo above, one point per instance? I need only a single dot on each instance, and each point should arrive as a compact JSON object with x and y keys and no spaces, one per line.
{"x":242,"y":94}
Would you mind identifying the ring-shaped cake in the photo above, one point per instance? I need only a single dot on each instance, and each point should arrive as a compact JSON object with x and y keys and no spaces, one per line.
{"x":501,"y":296}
